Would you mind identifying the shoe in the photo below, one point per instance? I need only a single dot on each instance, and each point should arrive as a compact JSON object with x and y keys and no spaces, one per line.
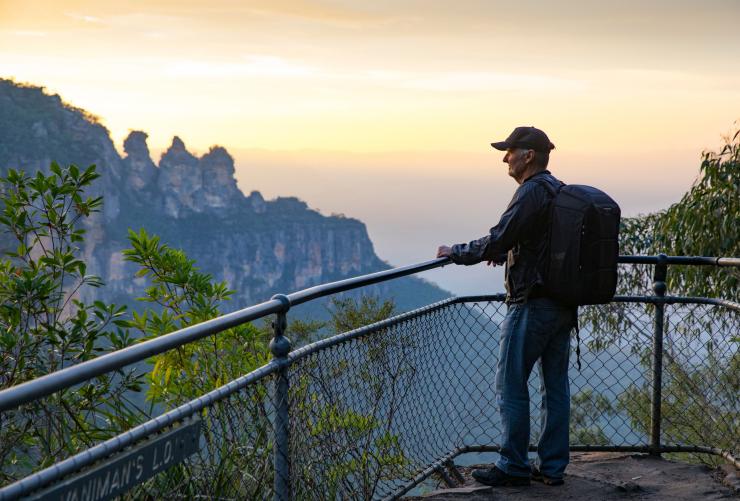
{"x":497,"y":478}
{"x":537,"y":476}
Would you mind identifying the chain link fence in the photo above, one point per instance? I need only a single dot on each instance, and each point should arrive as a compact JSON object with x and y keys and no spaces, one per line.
{"x":701,"y":377}
{"x":368,"y":414}
{"x":374,"y":411}
{"x":234,"y":458}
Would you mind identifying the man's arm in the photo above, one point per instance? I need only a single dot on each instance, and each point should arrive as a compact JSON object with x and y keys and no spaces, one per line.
{"x":520,"y":213}
{"x":471,"y":253}
{"x":446,"y":251}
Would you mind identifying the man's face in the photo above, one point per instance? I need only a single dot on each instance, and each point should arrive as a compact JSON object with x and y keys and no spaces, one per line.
{"x":518,"y":162}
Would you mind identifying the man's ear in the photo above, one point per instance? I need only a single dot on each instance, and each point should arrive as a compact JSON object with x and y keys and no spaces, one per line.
{"x":529,"y":156}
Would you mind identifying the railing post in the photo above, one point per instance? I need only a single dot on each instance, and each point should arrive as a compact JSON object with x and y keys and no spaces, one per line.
{"x":659,"y":287}
{"x":280,"y":347}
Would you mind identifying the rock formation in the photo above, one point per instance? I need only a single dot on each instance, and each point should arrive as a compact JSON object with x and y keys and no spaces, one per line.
{"x":260,"y":247}
{"x":142,"y":173}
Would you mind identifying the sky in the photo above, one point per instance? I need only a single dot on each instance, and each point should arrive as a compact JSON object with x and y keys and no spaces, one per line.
{"x":384,"y":110}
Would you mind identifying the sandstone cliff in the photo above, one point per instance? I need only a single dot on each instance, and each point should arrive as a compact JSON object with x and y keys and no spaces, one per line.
{"x":260,"y":247}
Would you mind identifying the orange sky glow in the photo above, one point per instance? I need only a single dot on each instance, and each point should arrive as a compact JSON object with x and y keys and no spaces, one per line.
{"x":386,"y":75}
{"x":630,"y":94}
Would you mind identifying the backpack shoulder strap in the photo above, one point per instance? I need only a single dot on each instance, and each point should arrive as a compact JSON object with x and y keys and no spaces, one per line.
{"x":549,"y":187}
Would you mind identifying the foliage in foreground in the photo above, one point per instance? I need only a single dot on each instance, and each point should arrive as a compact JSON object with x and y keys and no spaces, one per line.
{"x":182,"y":295}
{"x":346,"y":452}
{"x":45,"y":327}
{"x":699,"y":405}
{"x":705,"y":222}
{"x":587,"y":408}
{"x":238,"y":431}
{"x":700,"y":384}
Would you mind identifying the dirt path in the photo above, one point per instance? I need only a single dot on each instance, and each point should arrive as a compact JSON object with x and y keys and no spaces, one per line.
{"x":606,"y":476}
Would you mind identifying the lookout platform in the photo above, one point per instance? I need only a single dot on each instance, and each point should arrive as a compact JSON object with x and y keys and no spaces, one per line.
{"x":609,"y":476}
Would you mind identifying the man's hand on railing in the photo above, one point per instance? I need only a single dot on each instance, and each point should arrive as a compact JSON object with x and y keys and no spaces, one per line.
{"x":444,"y":251}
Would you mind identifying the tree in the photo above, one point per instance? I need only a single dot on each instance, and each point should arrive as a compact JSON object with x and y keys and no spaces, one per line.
{"x":700,"y":384}
{"x":705,"y":222}
{"x":45,"y":327}
{"x":587,"y":409}
{"x":238,"y":431}
{"x":348,"y":313}
{"x":700,"y":404}
{"x":346,"y":399}
{"x":184,"y":296}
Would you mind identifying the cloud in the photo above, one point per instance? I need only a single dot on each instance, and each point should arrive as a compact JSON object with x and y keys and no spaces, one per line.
{"x":488,"y":81}
{"x":29,"y":33}
{"x":253,"y":66}
{"x":450,"y":81}
{"x":342,"y":15}
{"x":83,"y":17}
{"x":270,"y":66}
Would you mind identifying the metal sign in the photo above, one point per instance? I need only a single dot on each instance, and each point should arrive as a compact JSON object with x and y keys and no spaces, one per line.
{"x":127,"y":469}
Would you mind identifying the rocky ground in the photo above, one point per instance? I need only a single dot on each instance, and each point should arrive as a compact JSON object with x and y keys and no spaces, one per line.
{"x":610,"y":476}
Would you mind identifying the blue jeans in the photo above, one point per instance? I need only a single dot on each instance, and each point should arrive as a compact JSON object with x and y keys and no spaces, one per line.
{"x":539,"y":329}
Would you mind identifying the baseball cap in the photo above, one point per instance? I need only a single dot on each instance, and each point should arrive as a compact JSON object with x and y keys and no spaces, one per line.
{"x":526,"y":137}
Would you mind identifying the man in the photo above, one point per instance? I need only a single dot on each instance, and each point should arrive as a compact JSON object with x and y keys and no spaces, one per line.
{"x":535,"y":327}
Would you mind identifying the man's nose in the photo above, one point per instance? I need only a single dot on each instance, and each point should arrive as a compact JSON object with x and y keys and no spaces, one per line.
{"x":506,"y":159}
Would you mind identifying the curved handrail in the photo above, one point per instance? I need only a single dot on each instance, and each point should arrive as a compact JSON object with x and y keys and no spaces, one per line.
{"x":685,"y":260}
{"x":156,"y":424}
{"x":64,"y":378}
{"x":322,"y":290}
{"x":100,"y":451}
{"x":69,"y":376}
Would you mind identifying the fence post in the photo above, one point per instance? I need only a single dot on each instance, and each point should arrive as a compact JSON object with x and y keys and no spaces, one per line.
{"x":659,"y":287}
{"x":280,"y":347}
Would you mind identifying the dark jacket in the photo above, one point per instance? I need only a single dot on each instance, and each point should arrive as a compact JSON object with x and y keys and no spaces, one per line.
{"x":519,"y":239}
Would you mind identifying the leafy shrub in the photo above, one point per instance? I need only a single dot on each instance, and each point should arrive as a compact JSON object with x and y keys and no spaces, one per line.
{"x":45,"y":327}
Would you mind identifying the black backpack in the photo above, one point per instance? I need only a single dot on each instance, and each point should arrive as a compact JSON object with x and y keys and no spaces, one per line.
{"x":584,"y":245}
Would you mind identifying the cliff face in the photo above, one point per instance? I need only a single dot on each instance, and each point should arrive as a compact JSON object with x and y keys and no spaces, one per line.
{"x":259,"y":247}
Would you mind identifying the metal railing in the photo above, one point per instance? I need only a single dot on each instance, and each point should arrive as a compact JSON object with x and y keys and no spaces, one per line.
{"x":372,"y":412}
